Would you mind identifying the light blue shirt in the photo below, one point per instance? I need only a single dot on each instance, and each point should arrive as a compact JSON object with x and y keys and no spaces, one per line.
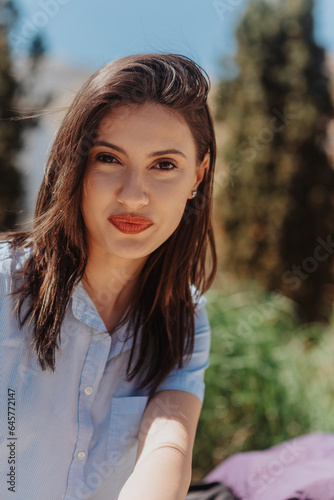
{"x":72,"y":434}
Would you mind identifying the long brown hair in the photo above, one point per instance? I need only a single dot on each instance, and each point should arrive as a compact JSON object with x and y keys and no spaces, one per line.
{"x":163,"y":307}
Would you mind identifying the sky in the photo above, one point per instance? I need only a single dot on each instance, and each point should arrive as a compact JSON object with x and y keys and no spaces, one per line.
{"x":90,"y":33}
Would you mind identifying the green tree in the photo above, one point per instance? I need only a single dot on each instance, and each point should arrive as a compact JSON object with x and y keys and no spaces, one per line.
{"x":277,"y":206}
{"x":11,"y":186}
{"x":13,"y":94}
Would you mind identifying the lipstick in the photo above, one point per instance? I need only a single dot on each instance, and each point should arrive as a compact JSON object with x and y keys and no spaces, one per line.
{"x":130,"y":224}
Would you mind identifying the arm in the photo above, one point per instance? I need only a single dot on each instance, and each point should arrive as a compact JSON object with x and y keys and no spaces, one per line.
{"x":163,"y":464}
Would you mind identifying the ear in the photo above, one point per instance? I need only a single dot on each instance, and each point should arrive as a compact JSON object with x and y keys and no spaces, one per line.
{"x":200,"y":170}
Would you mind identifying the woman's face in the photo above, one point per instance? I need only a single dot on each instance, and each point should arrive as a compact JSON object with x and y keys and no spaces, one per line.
{"x":140,"y":172}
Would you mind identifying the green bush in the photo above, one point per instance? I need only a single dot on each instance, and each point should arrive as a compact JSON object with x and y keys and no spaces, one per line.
{"x":269,"y":379}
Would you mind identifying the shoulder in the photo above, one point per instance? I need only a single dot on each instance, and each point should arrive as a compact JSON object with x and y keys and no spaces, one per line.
{"x":6,"y":258}
{"x":202,"y":325}
{"x":5,"y":250}
{"x":190,"y":377}
{"x":198,"y":299}
{"x":11,"y":259}
{"x":202,"y":339}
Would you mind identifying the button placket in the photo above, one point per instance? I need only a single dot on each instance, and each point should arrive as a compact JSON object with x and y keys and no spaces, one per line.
{"x":91,"y":376}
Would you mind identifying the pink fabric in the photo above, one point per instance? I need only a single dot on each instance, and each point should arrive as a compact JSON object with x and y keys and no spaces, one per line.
{"x":299,"y":469}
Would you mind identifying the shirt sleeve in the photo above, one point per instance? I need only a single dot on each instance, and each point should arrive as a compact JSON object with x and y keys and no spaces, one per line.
{"x":190,"y":378}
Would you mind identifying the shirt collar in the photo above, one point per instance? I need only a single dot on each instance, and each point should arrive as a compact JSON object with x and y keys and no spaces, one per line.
{"x":85,"y":311}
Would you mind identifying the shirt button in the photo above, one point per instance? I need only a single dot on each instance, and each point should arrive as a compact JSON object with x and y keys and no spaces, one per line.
{"x":81,"y":455}
{"x":88,"y":390}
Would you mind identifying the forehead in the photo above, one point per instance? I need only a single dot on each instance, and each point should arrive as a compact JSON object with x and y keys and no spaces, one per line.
{"x":146,"y":122}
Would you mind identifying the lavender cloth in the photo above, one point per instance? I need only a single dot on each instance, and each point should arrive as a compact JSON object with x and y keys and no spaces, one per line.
{"x":298,"y":469}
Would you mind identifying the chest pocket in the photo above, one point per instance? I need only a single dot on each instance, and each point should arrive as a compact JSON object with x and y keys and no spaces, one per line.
{"x":125,"y":420}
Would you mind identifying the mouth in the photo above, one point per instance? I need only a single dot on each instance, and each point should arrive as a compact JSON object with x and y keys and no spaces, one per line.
{"x":130,"y":224}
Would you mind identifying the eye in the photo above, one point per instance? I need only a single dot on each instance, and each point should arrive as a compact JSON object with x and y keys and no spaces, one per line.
{"x":165,"y":165}
{"x":105,"y":158}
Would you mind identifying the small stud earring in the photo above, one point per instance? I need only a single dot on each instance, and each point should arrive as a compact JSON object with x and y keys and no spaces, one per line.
{"x":194,"y":193}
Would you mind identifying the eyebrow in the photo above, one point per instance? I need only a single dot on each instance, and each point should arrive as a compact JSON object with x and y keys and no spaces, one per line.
{"x":156,"y":153}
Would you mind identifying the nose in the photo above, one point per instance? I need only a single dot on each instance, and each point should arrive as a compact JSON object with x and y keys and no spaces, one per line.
{"x":131,"y":192}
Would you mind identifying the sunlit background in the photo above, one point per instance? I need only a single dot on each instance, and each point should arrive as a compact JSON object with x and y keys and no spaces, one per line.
{"x":88,"y":34}
{"x":270,"y":377}
{"x":79,"y":36}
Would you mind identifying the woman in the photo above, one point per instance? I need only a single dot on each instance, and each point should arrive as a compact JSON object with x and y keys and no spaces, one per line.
{"x":103,"y":360}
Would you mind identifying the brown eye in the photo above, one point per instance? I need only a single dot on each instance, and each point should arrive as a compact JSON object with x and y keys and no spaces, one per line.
{"x":165,"y":165}
{"x":105,"y":158}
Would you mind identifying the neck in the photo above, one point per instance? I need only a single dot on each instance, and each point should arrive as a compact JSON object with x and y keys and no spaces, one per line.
{"x":111,"y":284}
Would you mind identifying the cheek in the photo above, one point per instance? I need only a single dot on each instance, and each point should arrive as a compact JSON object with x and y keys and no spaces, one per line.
{"x":90,"y":199}
{"x":95,"y":189}
{"x":180,"y":196}
{"x":174,"y":208}
{"x":179,"y":210}
{"x":87,"y":185}
{"x":173,"y":200}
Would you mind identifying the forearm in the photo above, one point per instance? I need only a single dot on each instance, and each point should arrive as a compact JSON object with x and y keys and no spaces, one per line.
{"x":164,"y":474}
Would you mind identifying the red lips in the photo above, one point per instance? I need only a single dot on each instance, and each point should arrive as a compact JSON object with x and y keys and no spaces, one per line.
{"x":130,"y":224}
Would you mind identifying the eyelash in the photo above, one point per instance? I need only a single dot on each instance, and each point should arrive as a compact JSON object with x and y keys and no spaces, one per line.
{"x":111,"y":157}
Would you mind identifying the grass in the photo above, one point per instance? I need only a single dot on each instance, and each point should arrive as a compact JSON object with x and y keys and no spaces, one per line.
{"x":269,"y":379}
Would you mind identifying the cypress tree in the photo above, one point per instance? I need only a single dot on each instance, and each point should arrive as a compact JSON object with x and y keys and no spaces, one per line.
{"x":11,"y":186}
{"x":277,"y":205}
